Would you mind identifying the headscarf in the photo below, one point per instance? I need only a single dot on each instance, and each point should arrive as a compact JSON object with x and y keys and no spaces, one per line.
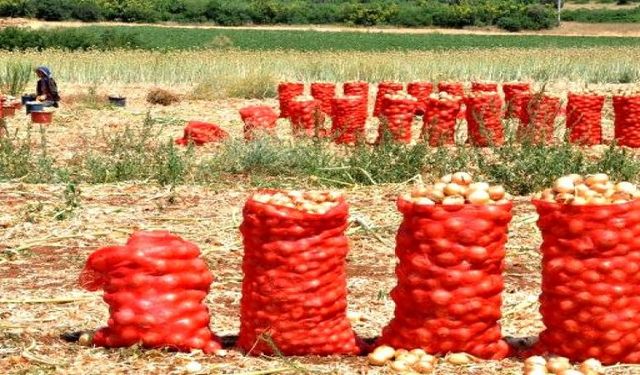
{"x":44,"y":70}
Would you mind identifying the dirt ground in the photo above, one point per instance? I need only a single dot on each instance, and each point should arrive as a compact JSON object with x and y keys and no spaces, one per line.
{"x":41,"y":258}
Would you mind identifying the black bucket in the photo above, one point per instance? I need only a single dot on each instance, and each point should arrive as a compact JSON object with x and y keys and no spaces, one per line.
{"x":118,"y":101}
{"x":28,"y":98}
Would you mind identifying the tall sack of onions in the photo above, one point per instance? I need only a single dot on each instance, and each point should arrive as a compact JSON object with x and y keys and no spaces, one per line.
{"x":294,"y":294}
{"x":590,"y":301}
{"x":626,"y":107}
{"x":584,"y":118}
{"x":384,"y":88}
{"x":287,"y":91}
{"x":451,"y":253}
{"x":439,"y":120}
{"x":484,"y":119}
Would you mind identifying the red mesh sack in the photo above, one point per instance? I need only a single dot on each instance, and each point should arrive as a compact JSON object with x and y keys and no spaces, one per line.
{"x":484,"y":87}
{"x":286,"y":92}
{"x":324,"y":92}
{"x":627,"y":120}
{"x":258,"y":118}
{"x":397,"y":118}
{"x":294,"y":293}
{"x":348,"y":119}
{"x":511,"y":90}
{"x":155,"y":286}
{"x":201,"y":132}
{"x":590,"y":301}
{"x":584,"y":118}
{"x":537,"y":117}
{"x":455,"y":89}
{"x":420,"y":91}
{"x":357,"y":88}
{"x":439,"y":121}
{"x":385,"y":88}
{"x":448,"y":296}
{"x":307,"y":117}
{"x":484,"y":119}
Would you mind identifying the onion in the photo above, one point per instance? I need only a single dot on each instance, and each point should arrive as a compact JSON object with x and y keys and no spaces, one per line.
{"x":400,"y":352}
{"x":496,"y":192}
{"x":598,"y":178}
{"x":591,"y":367}
{"x":453,"y":189}
{"x":459,"y":358}
{"x":599,"y":200}
{"x":435,"y":195}
{"x":446,"y":178}
{"x":536,"y":360}
{"x":453,"y":200}
{"x":408,"y":358}
{"x":424,"y":202}
{"x":381,"y":355}
{"x":576,"y":178}
{"x":558,"y":364}
{"x":479,"y":186}
{"x":569,"y":372}
{"x":419,"y":352}
{"x":478,"y":197}
{"x":400,"y":366}
{"x":564,"y":185}
{"x":439,"y":186}
{"x":85,"y":339}
{"x":424,"y":367}
{"x":626,"y":187}
{"x":461,"y":178}
{"x":564,"y":198}
{"x":419,"y":192}
{"x":579,"y":201}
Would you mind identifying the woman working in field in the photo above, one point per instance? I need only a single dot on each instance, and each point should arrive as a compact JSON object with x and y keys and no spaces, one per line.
{"x":47,"y":89}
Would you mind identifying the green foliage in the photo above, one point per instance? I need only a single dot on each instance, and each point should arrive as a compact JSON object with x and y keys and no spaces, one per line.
{"x":15,"y":78}
{"x":238,"y":12}
{"x":603,"y":15}
{"x":154,"y":38}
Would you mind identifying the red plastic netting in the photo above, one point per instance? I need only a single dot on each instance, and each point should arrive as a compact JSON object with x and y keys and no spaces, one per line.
{"x":286,"y":92}
{"x":448,"y":296}
{"x":484,"y":87}
{"x":439,"y":121}
{"x":349,"y":117}
{"x":455,"y":89}
{"x":397,"y":117}
{"x":584,"y":118}
{"x":420,"y":91}
{"x":511,"y":90}
{"x":155,"y":286}
{"x":484,"y":119}
{"x":324,"y":92}
{"x":627,"y":119}
{"x":385,"y":88}
{"x":307,"y":117}
{"x":294,"y":294}
{"x":257,"y":119}
{"x":357,"y":88}
{"x":537,"y":117}
{"x":590,"y":302}
{"x":201,"y":132}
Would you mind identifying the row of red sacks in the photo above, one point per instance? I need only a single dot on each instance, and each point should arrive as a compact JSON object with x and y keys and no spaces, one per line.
{"x":451,"y":267}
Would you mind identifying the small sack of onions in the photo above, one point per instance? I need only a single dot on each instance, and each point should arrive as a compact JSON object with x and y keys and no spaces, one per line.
{"x":590,"y":228}
{"x":451,"y":250}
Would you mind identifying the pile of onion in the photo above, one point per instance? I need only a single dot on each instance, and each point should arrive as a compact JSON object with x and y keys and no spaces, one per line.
{"x":313,"y":202}
{"x":413,"y":361}
{"x":595,"y":189}
{"x":456,"y":189}
{"x":561,"y":366}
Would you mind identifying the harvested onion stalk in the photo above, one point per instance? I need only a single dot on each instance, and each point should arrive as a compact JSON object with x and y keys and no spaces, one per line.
{"x":457,"y":189}
{"x":595,"y":189}
{"x":313,"y":202}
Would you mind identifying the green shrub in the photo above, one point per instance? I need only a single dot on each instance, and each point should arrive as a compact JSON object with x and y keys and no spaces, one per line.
{"x":53,"y":10}
{"x":86,"y":10}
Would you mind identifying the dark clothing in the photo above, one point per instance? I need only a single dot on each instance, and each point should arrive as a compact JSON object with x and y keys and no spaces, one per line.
{"x":48,"y":87}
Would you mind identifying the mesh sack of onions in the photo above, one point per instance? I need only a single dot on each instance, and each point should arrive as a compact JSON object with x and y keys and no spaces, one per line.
{"x":584,"y":118}
{"x":348,"y":119}
{"x":626,"y":107}
{"x":484,"y":86}
{"x":257,"y":119}
{"x":324,"y":92}
{"x":455,"y":89}
{"x":537,"y":117}
{"x":155,"y":286}
{"x":200,"y":133}
{"x":420,"y":91}
{"x":451,"y":253}
{"x":397,"y":116}
{"x":511,"y":90}
{"x":484,"y":119}
{"x":385,"y":88}
{"x":357,"y":88}
{"x":439,"y":120}
{"x":287,"y":91}
{"x":307,"y":117}
{"x":590,"y":301}
{"x":294,"y":294}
